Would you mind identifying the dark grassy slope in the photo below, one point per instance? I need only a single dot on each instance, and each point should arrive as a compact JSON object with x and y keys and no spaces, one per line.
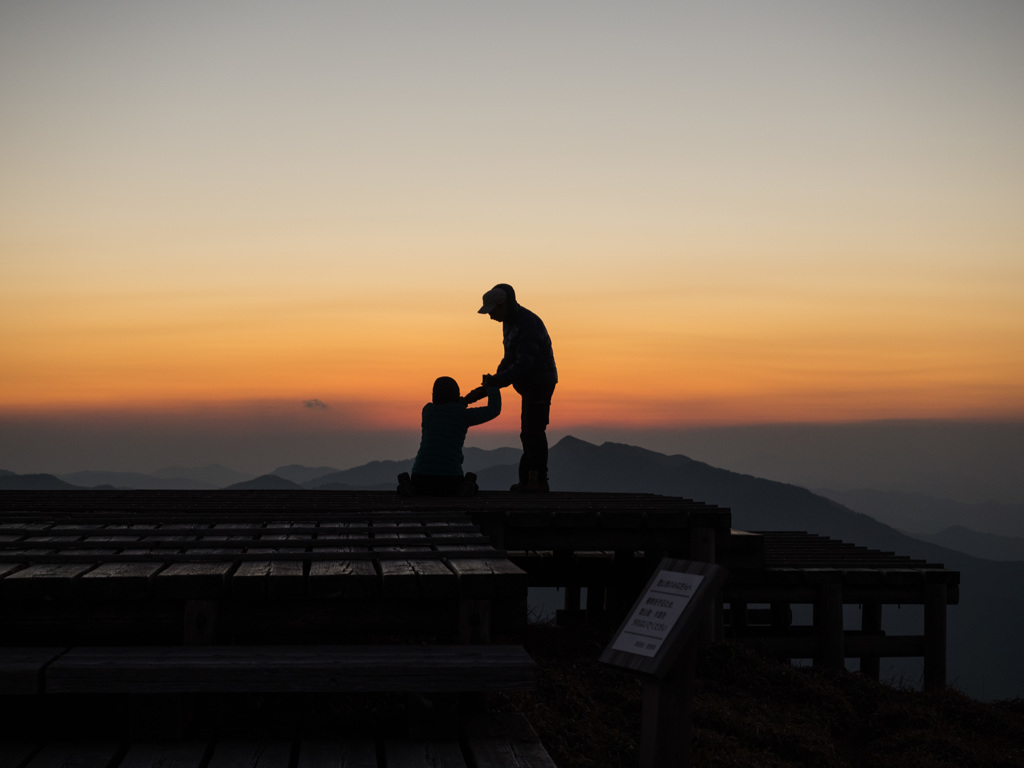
{"x":751,"y":711}
{"x":984,"y":630}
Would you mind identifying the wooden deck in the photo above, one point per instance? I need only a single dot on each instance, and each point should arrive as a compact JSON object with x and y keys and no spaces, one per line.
{"x":144,"y":602}
{"x":778,"y":569}
{"x":244,"y":573}
{"x":550,"y":521}
{"x":326,"y":567}
{"x":494,"y":741}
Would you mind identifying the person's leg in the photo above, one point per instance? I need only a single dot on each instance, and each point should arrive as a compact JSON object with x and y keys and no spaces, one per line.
{"x":535,"y":418}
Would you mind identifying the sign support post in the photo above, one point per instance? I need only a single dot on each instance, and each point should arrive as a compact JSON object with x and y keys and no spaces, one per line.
{"x":659,"y":640}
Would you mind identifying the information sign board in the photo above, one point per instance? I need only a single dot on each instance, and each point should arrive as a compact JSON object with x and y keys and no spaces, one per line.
{"x":656,"y":613}
{"x":677,"y":598}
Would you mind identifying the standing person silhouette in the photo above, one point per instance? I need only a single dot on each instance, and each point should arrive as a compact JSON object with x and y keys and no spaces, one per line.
{"x":529,"y":366}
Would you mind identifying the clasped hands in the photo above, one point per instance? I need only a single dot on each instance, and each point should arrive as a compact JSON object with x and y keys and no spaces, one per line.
{"x":480,"y":392}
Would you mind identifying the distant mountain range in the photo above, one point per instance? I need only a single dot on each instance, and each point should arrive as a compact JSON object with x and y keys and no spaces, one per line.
{"x":984,"y":630}
{"x":920,"y":514}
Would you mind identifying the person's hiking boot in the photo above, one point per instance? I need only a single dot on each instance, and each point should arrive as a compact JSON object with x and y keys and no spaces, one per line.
{"x":533,"y":484}
{"x":468,"y":486}
{"x":405,"y":486}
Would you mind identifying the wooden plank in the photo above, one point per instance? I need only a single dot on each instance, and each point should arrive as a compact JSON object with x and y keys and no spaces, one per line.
{"x":377,"y":668}
{"x":172,"y":754}
{"x":251,"y":754}
{"x":337,"y":754}
{"x":480,"y":577}
{"x":68,"y":755}
{"x":122,"y":581}
{"x":436,"y":579}
{"x":21,"y":669}
{"x":400,"y":578}
{"x":342,"y":578}
{"x":273,"y":578}
{"x":504,"y":740}
{"x":198,"y":580}
{"x":44,"y":580}
{"x":423,"y":754}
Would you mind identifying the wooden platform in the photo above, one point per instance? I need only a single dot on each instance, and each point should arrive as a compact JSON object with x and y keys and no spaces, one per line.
{"x":489,"y":741}
{"x":777,"y":569}
{"x":316,"y":566}
{"x":510,"y":521}
{"x":246,"y":572}
{"x":172,"y":600}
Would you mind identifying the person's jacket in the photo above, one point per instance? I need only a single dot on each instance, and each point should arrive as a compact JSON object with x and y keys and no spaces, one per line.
{"x":444,"y":428}
{"x":529,"y":361}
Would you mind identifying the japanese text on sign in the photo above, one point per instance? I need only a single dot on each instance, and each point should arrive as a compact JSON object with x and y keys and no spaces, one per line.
{"x":657,"y":612}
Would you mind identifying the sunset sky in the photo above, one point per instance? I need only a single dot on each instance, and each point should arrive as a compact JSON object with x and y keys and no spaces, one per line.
{"x":262,"y":218}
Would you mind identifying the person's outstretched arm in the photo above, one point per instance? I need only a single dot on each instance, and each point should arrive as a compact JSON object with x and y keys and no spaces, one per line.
{"x":487,"y":412}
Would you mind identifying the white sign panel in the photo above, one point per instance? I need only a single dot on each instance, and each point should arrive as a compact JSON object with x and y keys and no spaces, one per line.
{"x":657,"y":612}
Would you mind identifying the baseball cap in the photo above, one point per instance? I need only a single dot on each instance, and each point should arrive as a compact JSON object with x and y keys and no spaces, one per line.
{"x":493,"y":298}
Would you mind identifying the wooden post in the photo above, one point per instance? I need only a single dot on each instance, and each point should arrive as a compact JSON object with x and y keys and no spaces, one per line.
{"x":666,"y":730}
{"x":572,"y":598}
{"x":200,"y":622}
{"x":595,"y":604}
{"x":702,"y":549}
{"x":871,"y":624}
{"x":737,"y":615}
{"x":782,"y":615}
{"x":782,"y":620}
{"x":565,"y":574}
{"x":619,"y":591}
{"x":702,"y":544}
{"x":474,"y":621}
{"x":935,"y":636}
{"x":828,"y":625}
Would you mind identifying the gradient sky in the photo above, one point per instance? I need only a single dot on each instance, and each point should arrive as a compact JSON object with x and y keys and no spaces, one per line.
{"x":216,"y":213}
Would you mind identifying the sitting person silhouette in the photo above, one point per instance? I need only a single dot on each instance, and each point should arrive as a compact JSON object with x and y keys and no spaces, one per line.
{"x":437,"y":470}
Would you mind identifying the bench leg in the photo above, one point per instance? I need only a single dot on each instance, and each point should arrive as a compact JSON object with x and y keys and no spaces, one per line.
{"x":475,"y":621}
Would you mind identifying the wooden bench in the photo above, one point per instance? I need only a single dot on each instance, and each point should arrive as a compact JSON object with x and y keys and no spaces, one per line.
{"x":500,"y":740}
{"x":266,"y":669}
{"x":494,"y":740}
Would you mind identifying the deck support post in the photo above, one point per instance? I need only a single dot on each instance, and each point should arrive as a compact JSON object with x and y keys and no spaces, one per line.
{"x":828,"y":625}
{"x":474,"y":621}
{"x":871,"y":624}
{"x":935,"y":636}
{"x":595,"y":603}
{"x":200,"y":622}
{"x":565,"y":558}
{"x":738,"y":615}
{"x":620,"y":590}
{"x":702,"y":549}
{"x":702,"y":544}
